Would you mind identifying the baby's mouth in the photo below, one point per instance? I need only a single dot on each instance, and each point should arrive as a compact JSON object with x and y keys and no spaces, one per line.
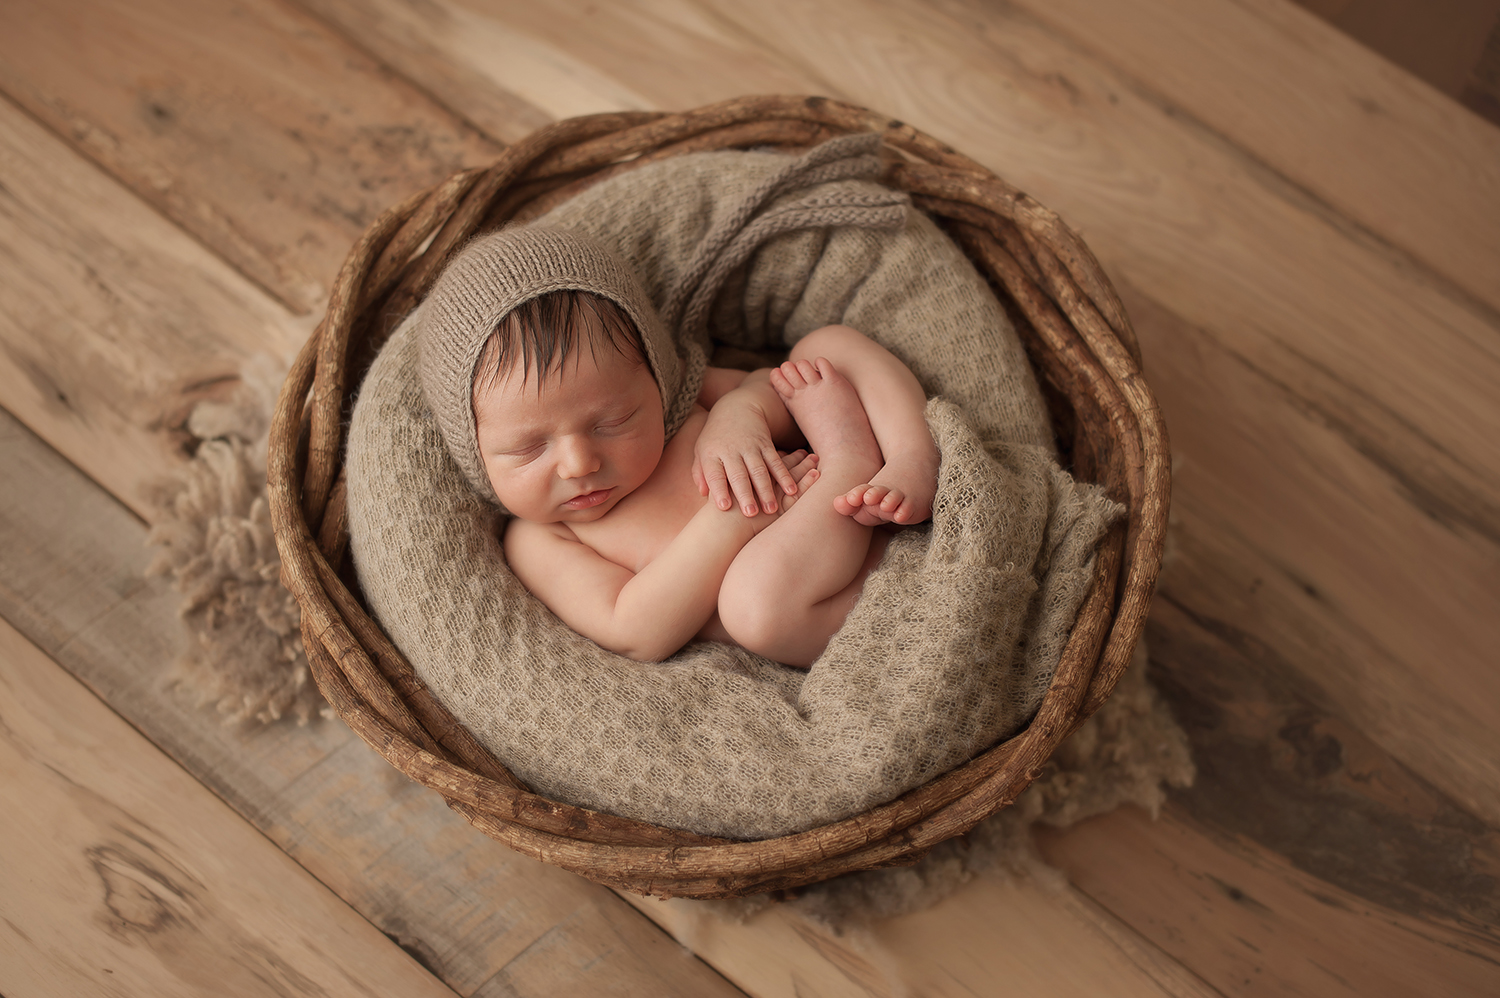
{"x":589,"y":499}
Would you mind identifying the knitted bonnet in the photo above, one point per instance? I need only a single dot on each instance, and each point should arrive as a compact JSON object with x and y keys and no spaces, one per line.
{"x":492,"y":276}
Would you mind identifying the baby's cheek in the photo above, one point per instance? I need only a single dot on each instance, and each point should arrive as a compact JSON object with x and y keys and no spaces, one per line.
{"x":500,"y":482}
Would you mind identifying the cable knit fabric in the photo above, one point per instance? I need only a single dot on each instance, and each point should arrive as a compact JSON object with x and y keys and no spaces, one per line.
{"x":956,"y":636}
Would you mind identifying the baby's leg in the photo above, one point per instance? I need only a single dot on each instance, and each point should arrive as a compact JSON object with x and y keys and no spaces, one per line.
{"x":790,"y":588}
{"x":903,"y":489}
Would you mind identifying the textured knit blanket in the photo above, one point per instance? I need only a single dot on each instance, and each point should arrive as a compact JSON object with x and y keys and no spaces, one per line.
{"x":954,"y":641}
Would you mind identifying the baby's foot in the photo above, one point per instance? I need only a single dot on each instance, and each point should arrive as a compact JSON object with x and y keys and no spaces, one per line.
{"x":829,"y":413}
{"x":900,"y":495}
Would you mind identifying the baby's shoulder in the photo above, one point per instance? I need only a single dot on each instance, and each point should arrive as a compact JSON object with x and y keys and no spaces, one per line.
{"x":536,"y":550}
{"x":525,"y":535}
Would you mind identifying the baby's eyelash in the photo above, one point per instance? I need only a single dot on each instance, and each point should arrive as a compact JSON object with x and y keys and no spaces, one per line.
{"x":619,"y":421}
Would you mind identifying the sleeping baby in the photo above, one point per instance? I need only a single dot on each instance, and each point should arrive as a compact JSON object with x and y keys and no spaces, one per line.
{"x":645,"y":516}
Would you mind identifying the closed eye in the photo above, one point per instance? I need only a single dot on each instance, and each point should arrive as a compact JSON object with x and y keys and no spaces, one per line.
{"x":614,"y":424}
{"x":525,"y":453}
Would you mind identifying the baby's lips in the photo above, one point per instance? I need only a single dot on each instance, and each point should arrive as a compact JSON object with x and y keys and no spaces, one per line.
{"x":588,"y":500}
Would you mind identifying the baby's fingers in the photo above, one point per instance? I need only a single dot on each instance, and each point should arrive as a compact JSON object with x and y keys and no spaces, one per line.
{"x":742,"y":487}
{"x":799,"y":462}
{"x":778,"y":469}
{"x":765,"y":488}
{"x":717,"y":484}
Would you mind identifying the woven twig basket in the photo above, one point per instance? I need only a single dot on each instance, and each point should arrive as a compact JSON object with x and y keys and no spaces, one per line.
{"x":1076,"y":334}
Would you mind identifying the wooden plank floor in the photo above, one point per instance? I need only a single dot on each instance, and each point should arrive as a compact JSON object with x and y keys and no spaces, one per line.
{"x":1306,"y":239}
{"x":120,"y":867}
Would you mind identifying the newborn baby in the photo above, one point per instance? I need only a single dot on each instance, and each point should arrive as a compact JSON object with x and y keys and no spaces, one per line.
{"x":641,"y":516}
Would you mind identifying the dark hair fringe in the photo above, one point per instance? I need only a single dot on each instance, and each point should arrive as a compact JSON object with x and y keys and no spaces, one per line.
{"x":544,"y":331}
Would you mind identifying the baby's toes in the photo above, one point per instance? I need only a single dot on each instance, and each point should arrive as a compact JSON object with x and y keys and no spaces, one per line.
{"x":911,"y":510}
{"x":783,"y":386}
{"x":809,"y":370}
{"x":853,"y":501}
{"x":793,"y":375}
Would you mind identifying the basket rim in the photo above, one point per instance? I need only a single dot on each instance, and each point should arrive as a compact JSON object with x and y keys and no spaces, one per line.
{"x":1078,"y":334}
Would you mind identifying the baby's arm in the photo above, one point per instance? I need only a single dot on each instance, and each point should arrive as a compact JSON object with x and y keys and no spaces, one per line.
{"x":645,"y":615}
{"x":736,"y":452}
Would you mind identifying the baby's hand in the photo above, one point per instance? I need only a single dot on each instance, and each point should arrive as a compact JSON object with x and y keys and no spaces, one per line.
{"x":803,"y":468}
{"x":734,"y":454}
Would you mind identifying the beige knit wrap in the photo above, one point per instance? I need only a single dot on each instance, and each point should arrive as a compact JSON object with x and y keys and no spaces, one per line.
{"x":959,"y":629}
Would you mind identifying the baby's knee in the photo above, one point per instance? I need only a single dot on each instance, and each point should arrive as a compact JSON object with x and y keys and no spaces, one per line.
{"x":826,"y":342}
{"x":752,"y":614}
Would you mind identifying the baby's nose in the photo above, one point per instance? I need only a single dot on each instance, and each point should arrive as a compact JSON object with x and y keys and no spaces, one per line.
{"x":576,"y":457}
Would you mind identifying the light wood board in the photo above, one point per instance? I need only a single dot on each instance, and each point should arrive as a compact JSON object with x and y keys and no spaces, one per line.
{"x":115,"y":322}
{"x":1266,"y":936}
{"x":251,"y":125}
{"x":993,"y":935}
{"x":1400,"y":160}
{"x":124,"y":875}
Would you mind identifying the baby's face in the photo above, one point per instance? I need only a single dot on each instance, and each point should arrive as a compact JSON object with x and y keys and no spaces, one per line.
{"x":570,"y":447}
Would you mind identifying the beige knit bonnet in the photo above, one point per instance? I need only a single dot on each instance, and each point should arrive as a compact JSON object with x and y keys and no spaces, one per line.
{"x":491,"y":277}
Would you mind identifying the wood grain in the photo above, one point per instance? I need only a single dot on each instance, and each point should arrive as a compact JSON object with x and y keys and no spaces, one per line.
{"x":125,"y":875}
{"x":583,"y":955}
{"x":398,"y":34}
{"x":1276,"y":768}
{"x":249,"y":124}
{"x":1276,"y":929}
{"x":1350,"y":564}
{"x":564,"y":57}
{"x":465,"y":907}
{"x":1025,"y":936}
{"x":1314,"y":105}
{"x":1348,"y":858}
{"x":114,"y":321}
